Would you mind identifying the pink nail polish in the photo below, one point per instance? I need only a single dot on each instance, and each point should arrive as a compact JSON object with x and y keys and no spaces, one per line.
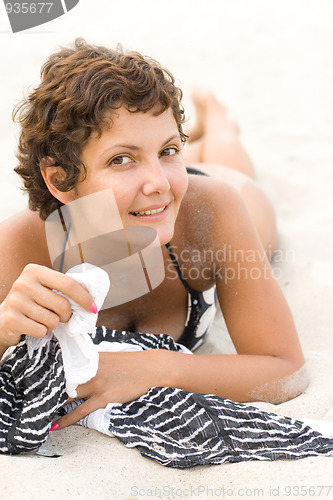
{"x":54,"y":427}
{"x":93,"y":308}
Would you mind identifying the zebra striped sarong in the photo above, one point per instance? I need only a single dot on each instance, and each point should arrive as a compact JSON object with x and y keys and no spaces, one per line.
{"x":175,"y":427}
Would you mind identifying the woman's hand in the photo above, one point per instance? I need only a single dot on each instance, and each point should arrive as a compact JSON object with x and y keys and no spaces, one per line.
{"x":32,"y":307}
{"x":121,"y":377}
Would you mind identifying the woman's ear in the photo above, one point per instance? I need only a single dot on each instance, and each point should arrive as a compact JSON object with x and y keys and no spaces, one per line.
{"x":52,"y":175}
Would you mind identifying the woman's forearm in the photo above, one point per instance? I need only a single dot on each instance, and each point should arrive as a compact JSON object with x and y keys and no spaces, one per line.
{"x":238,"y":377}
{"x":125,"y":376}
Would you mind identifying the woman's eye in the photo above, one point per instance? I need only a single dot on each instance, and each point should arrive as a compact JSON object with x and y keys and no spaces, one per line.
{"x":169,"y":151}
{"x":119,"y":160}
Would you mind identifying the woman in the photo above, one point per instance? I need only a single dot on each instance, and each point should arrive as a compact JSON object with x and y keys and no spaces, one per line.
{"x":101,"y":119}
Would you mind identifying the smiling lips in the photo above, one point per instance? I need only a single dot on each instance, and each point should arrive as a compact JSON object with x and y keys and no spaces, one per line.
{"x":149,"y":212}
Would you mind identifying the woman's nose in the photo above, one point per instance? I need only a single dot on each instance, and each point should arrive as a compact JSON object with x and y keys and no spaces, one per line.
{"x":155,"y":179}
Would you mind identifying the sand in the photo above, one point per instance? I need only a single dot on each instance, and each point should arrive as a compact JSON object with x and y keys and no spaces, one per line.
{"x":271,"y":63}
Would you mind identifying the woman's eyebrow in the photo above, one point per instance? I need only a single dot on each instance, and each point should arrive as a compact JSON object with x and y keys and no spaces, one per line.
{"x":136,"y":148}
{"x":125,"y":146}
{"x":175,"y":136}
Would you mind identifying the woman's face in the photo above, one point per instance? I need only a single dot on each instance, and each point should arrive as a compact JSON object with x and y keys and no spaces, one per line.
{"x":139,"y":158}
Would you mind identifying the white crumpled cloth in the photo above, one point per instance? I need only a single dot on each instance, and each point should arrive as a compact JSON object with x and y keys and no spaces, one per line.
{"x":80,"y":356}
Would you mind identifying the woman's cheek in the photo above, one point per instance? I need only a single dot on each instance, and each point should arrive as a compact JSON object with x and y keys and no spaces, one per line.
{"x":181,"y":183}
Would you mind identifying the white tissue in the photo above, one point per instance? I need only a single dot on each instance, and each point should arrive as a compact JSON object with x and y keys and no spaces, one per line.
{"x":80,"y":356}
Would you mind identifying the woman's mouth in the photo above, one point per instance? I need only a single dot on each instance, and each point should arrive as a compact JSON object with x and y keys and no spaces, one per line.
{"x":151,"y":215}
{"x":149,"y":212}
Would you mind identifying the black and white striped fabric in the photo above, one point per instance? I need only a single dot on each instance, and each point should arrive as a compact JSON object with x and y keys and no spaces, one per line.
{"x":177,"y":428}
{"x":31,"y":393}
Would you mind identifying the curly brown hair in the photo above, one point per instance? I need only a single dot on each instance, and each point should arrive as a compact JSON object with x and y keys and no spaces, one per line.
{"x":79,"y":86}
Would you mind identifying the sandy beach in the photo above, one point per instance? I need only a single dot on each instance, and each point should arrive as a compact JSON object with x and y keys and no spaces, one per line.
{"x":271,"y":63}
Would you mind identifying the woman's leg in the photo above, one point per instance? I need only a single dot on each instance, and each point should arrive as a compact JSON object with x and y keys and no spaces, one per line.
{"x":215,"y":138}
{"x":214,"y":148}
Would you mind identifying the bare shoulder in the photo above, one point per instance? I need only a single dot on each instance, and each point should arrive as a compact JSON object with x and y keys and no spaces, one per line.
{"x":23,"y":227}
{"x":212,"y":192}
{"x":210,"y":209}
{"x":22,"y":242}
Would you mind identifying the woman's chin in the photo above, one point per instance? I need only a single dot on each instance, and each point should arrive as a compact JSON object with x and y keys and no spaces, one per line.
{"x":165,"y":230}
{"x":165,"y":235}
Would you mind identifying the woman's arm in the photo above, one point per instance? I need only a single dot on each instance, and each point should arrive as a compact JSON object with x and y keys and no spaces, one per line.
{"x":269,"y":360}
{"x":269,"y":364}
{"x":29,"y":304}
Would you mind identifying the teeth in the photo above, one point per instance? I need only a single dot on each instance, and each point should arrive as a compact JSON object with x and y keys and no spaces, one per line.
{"x":150,"y":212}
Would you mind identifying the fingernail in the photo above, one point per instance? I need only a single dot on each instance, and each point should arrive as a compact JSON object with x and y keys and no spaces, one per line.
{"x":93,"y":308}
{"x":54,"y":427}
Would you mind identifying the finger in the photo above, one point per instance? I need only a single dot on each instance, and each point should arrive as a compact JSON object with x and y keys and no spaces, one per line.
{"x":49,"y":317}
{"x":86,"y":390}
{"x":19,"y":309}
{"x":19,"y":324}
{"x":78,"y":413}
{"x":75,"y":291}
{"x":54,"y":307}
{"x":52,"y":279}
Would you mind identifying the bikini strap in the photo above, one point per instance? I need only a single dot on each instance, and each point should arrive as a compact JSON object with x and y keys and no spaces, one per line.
{"x":175,"y":263}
